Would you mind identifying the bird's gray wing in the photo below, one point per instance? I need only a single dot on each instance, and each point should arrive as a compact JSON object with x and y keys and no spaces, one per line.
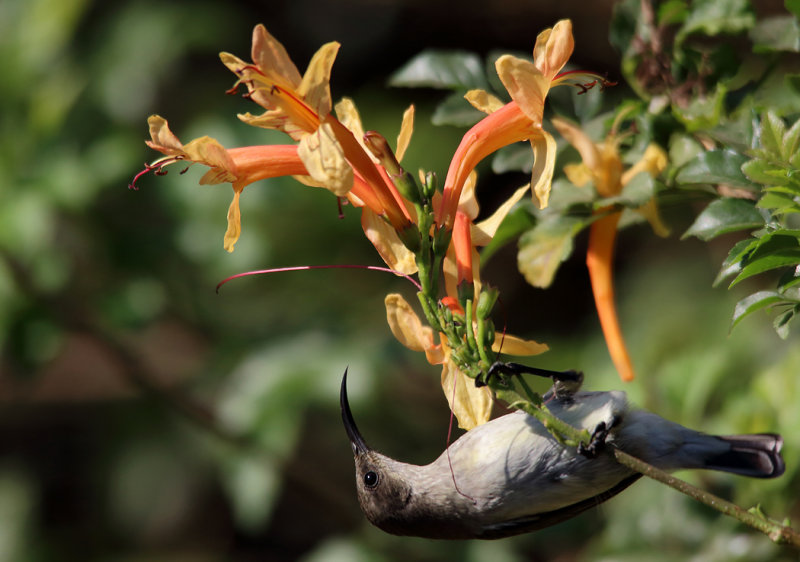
{"x":548,"y":518}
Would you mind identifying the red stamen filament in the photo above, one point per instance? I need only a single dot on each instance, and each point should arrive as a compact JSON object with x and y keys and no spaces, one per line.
{"x":309,"y":267}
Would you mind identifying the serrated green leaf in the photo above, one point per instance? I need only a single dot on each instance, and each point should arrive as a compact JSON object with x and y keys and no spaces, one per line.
{"x":715,"y":167}
{"x":441,"y":69}
{"x":779,"y":203}
{"x":764,"y":172}
{"x":722,"y":216}
{"x":517,"y":221}
{"x":543,"y":248}
{"x":752,"y":303}
{"x":776,"y":33}
{"x":770,"y":135}
{"x":791,"y":140}
{"x":455,"y":110}
{"x":712,"y":17}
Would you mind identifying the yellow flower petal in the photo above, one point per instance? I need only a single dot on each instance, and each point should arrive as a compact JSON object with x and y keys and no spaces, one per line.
{"x":388,"y":244}
{"x":472,"y":406}
{"x":163,"y":139}
{"x":575,"y":136}
{"x":578,"y":174}
{"x":544,"y":161}
{"x":209,"y":152}
{"x":347,"y":113}
{"x":406,"y":325}
{"x":467,"y":203}
{"x":512,"y":345}
{"x":324,"y":159}
{"x":484,"y":231}
{"x":272,"y":58}
{"x":234,"y":222}
{"x":315,"y":87}
{"x":650,"y":211}
{"x":483,"y":101}
{"x":525,"y":84}
{"x":406,"y":129}
{"x":653,"y":161}
{"x":553,"y":48}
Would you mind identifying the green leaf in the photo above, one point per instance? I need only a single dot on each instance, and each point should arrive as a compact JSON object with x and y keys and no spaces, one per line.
{"x":773,"y":251}
{"x":791,"y":140}
{"x":781,"y":323}
{"x":770,"y":135}
{"x":517,"y":157}
{"x":672,"y":12}
{"x":752,"y":303}
{"x":733,"y":262}
{"x":455,"y":110}
{"x":765,"y":172}
{"x":441,"y":69}
{"x":776,"y":33}
{"x":702,"y":112}
{"x":636,"y":192}
{"x":789,"y":279}
{"x":725,"y":215}
{"x":714,"y":167}
{"x":779,"y":203}
{"x":542,"y":249}
{"x":519,"y":220}
{"x":682,"y":149}
{"x":713,"y":17}
{"x":793,"y":6}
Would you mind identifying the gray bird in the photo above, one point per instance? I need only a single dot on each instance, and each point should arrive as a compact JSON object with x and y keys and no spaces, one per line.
{"x":510,"y":476}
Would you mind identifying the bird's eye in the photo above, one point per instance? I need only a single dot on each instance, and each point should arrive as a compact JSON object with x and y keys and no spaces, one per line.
{"x":371,"y":479}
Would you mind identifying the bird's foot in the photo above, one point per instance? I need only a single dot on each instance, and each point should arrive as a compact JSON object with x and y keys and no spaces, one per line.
{"x":565,"y":383}
{"x":597,"y":442}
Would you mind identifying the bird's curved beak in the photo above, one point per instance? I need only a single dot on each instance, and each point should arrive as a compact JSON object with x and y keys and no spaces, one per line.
{"x":356,"y":441}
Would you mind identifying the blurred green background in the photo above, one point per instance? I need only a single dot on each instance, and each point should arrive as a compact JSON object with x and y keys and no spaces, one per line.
{"x":144,"y":417}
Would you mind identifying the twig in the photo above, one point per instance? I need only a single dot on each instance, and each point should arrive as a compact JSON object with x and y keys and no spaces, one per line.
{"x":777,"y":532}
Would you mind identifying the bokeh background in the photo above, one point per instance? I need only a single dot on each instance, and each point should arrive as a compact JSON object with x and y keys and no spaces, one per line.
{"x":145,"y":417}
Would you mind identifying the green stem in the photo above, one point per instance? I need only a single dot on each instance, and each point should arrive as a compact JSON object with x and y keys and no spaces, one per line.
{"x":778,"y":533}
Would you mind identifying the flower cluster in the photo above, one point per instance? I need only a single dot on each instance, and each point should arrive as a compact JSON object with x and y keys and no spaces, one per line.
{"x":416,"y":229}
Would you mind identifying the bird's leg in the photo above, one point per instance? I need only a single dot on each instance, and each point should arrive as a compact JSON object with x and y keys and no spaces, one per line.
{"x":565,"y":383}
{"x":598,"y":440}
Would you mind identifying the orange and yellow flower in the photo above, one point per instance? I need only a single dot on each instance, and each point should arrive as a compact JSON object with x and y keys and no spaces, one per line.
{"x":603,"y":166}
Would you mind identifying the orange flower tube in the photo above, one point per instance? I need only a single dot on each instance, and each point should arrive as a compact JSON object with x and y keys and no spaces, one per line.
{"x":599,"y":261}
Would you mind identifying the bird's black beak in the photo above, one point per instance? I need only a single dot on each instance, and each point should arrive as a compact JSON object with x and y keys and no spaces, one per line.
{"x":356,"y":441}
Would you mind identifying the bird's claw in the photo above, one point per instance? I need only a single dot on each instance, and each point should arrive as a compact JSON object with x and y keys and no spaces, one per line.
{"x":597,"y":441}
{"x":565,"y":383}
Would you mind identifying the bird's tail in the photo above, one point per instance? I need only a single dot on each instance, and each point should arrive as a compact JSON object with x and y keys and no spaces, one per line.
{"x":670,"y":446}
{"x":757,"y":455}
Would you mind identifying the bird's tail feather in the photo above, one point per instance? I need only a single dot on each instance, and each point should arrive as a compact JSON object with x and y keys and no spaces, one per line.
{"x":756,"y":455}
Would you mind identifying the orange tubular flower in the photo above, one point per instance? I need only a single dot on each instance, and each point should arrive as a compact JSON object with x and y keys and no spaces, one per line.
{"x":301,"y":108}
{"x":602,"y":165}
{"x":239,"y":166}
{"x":521,"y":119}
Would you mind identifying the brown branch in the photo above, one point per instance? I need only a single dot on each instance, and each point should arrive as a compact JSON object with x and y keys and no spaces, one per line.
{"x":777,"y":532}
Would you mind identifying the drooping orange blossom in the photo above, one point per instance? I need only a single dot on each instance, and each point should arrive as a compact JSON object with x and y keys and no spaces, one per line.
{"x":328,"y":154}
{"x":528,"y":84}
{"x":603,"y":166}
